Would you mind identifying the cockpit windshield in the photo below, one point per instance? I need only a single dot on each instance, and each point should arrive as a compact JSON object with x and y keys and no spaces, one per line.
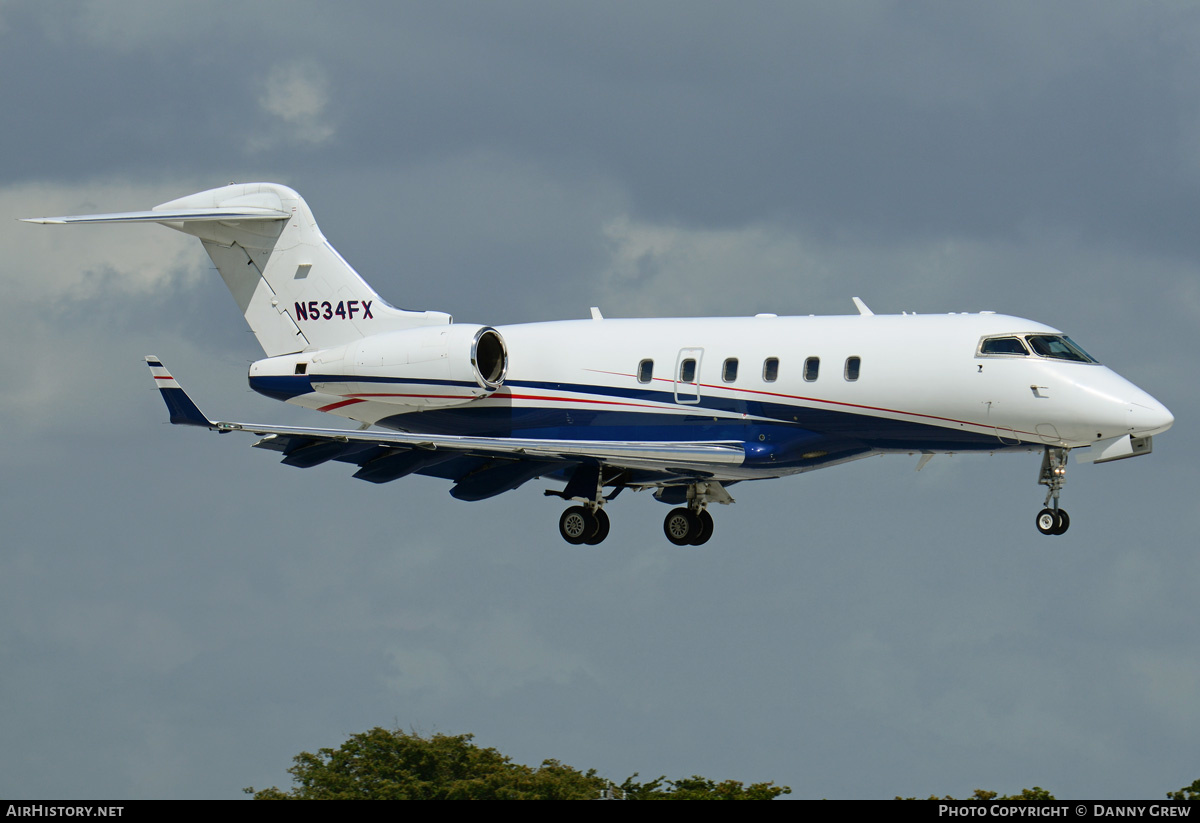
{"x":1059,"y":347}
{"x":1053,"y":346}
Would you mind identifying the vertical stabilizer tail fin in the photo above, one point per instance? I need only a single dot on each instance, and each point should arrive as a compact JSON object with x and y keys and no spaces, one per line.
{"x":294,"y":289}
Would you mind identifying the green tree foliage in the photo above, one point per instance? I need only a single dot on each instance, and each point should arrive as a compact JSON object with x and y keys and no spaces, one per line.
{"x":1036,"y":794}
{"x":397,"y":765}
{"x":1191,"y":792}
{"x":698,"y":788}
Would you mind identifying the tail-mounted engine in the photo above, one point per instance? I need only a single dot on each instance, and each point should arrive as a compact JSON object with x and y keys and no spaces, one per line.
{"x":430,"y":366}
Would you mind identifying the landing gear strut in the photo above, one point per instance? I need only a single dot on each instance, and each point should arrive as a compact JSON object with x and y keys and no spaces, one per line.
{"x":1052,"y":519}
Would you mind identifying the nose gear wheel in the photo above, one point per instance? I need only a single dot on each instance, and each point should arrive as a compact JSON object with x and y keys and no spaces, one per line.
{"x":1053,"y":521}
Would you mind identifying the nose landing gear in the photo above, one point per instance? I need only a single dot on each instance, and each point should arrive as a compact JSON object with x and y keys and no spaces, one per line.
{"x":1052,"y":519}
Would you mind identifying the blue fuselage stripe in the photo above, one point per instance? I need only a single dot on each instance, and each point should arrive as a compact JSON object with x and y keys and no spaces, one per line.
{"x":774,"y":430}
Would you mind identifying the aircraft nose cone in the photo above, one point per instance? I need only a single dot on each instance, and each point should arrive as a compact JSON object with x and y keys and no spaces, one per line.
{"x":1147,"y":416}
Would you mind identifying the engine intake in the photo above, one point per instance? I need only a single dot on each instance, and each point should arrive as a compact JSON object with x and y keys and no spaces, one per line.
{"x":489,"y":356}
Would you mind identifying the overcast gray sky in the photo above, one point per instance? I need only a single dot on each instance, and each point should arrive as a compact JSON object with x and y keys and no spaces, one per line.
{"x":180,"y":615}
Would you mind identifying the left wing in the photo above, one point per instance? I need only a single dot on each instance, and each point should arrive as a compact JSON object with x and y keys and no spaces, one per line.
{"x":481,"y":467}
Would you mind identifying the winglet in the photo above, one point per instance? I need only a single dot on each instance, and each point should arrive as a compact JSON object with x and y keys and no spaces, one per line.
{"x":183,"y":410}
{"x":862,"y":307}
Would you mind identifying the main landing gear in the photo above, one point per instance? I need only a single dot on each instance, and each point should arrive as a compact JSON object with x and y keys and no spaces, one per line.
{"x":584,"y":524}
{"x":588,"y":524}
{"x":692,"y":525}
{"x":685,"y":527}
{"x":1052,"y":519}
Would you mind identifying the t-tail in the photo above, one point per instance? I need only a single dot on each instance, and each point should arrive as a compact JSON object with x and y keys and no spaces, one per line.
{"x":294,"y":289}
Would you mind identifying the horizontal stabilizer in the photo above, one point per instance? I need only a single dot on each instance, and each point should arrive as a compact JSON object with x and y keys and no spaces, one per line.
{"x":225,"y":215}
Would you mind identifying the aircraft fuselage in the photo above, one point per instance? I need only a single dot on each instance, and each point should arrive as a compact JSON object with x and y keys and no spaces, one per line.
{"x":799,"y":392}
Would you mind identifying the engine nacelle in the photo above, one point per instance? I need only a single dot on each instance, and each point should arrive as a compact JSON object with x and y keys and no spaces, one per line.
{"x":422,"y":367}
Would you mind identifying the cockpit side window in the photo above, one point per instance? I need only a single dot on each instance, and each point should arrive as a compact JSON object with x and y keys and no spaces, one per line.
{"x":1003,"y":345}
{"x":1059,"y":347}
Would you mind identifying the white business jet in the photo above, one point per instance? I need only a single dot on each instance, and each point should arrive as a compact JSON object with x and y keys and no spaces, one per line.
{"x":682,"y":407}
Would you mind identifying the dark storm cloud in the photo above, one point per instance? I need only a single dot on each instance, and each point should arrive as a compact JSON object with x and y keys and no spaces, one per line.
{"x":880,"y":119}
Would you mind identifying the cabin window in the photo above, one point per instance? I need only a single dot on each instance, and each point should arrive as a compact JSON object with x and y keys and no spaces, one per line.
{"x":301,"y":368}
{"x":812,"y":366}
{"x":645,"y":371}
{"x":771,"y":369}
{"x":852,"y":366}
{"x":687,"y":371}
{"x":729,"y":371}
{"x":1003,"y":345}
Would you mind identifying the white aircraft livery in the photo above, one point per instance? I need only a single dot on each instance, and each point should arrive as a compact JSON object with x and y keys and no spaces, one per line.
{"x":683,"y":407}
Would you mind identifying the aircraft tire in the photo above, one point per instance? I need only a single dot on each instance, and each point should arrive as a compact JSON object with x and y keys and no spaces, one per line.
{"x":705,"y":521}
{"x":576,"y":525}
{"x":1062,"y":522}
{"x":680,"y":526}
{"x":602,"y":524}
{"x":1047,"y":521}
